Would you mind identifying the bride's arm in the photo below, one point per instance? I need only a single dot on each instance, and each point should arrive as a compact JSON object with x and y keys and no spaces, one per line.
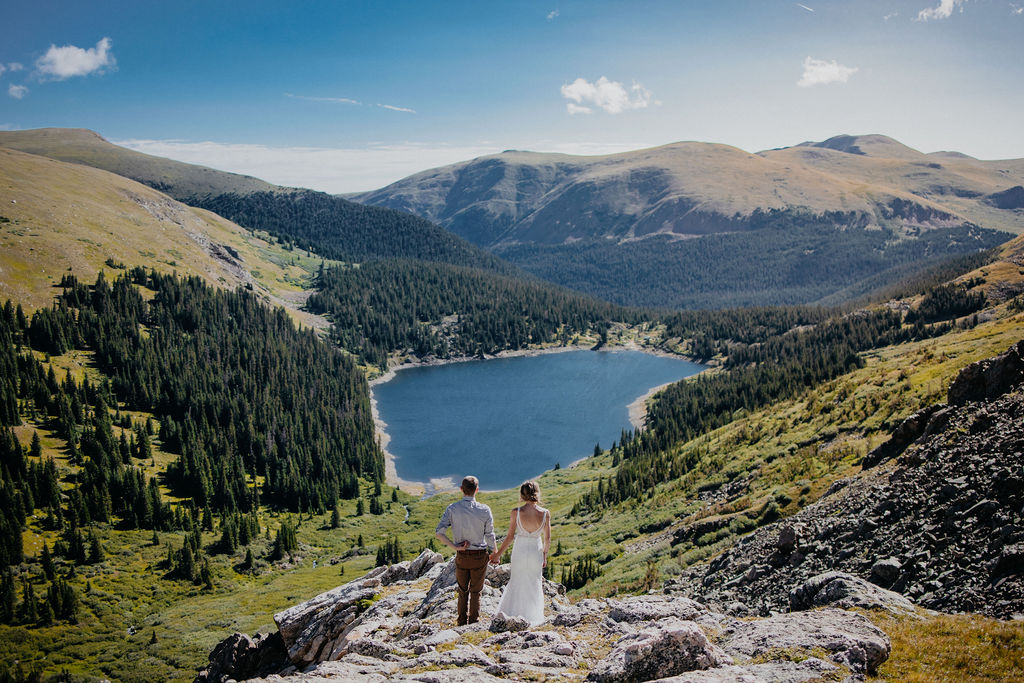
{"x":496,"y":556}
{"x":547,"y":536}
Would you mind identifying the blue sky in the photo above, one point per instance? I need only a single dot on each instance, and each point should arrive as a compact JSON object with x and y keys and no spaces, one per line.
{"x":348,"y":96}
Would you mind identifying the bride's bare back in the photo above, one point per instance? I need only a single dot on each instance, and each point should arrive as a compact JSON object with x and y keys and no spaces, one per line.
{"x":531,"y":517}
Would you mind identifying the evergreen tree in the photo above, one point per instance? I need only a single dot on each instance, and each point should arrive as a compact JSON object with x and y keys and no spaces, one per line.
{"x":46,"y":560}
{"x":186,"y":567}
{"x":95,"y":549}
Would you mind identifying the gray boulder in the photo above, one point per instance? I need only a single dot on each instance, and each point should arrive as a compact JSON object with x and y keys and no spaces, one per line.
{"x":885,"y":571}
{"x":839,"y":589}
{"x":470,"y":674}
{"x":461,"y":655}
{"x":351,"y":668}
{"x":654,"y":608}
{"x":502,"y":622}
{"x":851,"y":638}
{"x":666,"y":649}
{"x":571,"y":615}
{"x":812,"y":669}
{"x":989,"y":378}
{"x":238,"y":656}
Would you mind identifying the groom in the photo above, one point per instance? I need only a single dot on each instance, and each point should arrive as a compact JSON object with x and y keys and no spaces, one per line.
{"x":473,"y":542}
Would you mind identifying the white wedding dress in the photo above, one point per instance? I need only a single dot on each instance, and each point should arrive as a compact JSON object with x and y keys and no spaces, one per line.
{"x":524,"y":594}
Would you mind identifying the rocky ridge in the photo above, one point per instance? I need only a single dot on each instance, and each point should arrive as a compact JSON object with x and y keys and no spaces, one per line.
{"x":396,"y":623}
{"x":937,"y":514}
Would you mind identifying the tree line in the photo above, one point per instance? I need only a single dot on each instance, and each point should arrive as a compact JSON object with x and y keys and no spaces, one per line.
{"x":336,"y":228}
{"x":784,"y":257}
{"x":434,"y":309}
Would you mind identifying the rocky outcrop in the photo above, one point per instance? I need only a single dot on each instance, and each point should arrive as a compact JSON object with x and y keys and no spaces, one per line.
{"x":839,"y":589}
{"x":395,"y":624}
{"x":989,"y":378}
{"x":939,"y":519}
{"x":324,"y":627}
{"x":669,"y":647}
{"x":850,"y":639}
{"x":239,"y":656}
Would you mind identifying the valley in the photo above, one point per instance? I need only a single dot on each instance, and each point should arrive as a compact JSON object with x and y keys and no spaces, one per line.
{"x":239,"y":354}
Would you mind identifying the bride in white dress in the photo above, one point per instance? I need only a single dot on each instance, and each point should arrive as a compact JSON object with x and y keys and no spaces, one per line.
{"x":530,"y":526}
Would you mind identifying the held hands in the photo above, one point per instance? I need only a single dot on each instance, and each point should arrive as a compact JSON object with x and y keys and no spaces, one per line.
{"x":494,"y":558}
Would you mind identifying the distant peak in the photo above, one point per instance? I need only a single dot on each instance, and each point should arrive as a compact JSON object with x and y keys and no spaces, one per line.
{"x":873,"y":145}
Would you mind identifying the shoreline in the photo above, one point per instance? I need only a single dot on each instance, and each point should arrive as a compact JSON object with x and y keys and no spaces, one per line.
{"x":637,"y":409}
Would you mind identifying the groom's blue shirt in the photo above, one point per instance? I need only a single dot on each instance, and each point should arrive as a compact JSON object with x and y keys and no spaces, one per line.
{"x":470,"y":521}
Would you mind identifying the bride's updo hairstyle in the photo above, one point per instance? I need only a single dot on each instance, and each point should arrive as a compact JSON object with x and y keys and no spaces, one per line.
{"x":530,"y":492}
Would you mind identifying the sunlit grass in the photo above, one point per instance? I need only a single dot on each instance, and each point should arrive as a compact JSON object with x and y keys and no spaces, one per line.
{"x":957,"y":648}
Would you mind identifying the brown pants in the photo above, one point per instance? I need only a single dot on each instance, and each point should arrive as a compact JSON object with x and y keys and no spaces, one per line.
{"x":470,"y":570}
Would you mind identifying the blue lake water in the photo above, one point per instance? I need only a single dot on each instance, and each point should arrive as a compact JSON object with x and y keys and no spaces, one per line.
{"x":509,"y":419}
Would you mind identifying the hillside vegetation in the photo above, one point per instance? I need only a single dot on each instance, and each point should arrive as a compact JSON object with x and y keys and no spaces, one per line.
{"x":784,"y":258}
{"x":342,"y":230}
{"x":445,"y":311}
{"x":60,"y":217}
{"x":764,"y":463}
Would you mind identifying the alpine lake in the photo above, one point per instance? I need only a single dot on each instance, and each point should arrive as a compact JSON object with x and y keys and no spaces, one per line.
{"x":509,"y":419}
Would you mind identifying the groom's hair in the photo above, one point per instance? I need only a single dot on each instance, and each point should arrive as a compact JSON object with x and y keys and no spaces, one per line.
{"x":469,"y":485}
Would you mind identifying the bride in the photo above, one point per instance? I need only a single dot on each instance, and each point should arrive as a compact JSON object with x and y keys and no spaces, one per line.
{"x":530,"y":526}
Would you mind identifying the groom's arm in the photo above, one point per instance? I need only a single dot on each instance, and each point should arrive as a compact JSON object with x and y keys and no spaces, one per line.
{"x":441,"y":532}
{"x":489,"y":539}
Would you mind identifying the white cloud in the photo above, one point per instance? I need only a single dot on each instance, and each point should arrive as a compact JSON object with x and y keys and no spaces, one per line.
{"x":64,"y":62}
{"x":320,"y":168}
{"x":805,"y":7}
{"x":610,"y":96}
{"x":394,"y":108}
{"x":16,"y":66}
{"x":890,"y":15}
{"x":944,"y":10}
{"x":820,"y":72}
{"x":347,"y":100}
{"x":17,"y":91}
{"x":337,"y":100}
{"x":1016,"y":9}
{"x":2,"y":69}
{"x":553,"y":14}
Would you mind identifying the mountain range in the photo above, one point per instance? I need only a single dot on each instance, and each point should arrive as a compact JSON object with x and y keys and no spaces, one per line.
{"x":686,"y":225}
{"x":699,"y":225}
{"x":688,"y":189}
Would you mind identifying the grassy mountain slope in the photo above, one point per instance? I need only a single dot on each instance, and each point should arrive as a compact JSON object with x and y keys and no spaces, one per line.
{"x":58,"y":217}
{"x":82,"y":146}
